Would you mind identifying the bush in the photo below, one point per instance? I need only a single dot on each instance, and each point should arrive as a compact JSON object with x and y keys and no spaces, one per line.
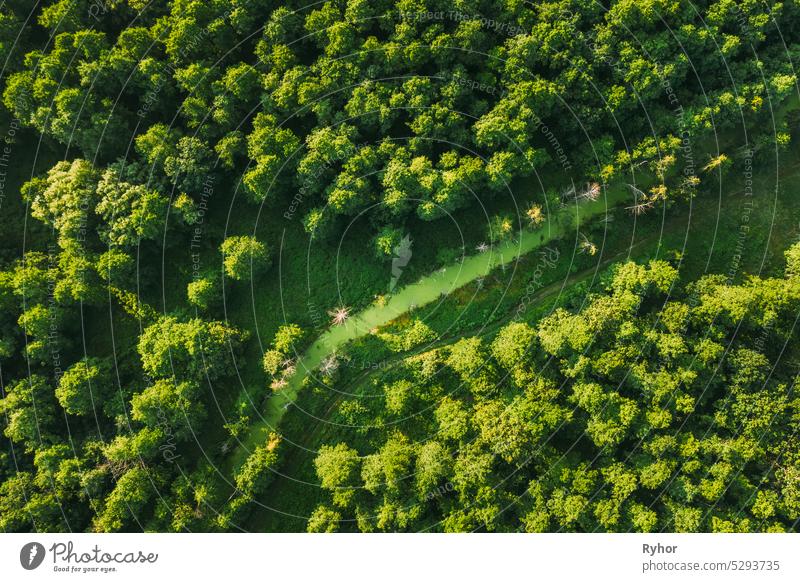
{"x":244,"y":257}
{"x":204,"y":292}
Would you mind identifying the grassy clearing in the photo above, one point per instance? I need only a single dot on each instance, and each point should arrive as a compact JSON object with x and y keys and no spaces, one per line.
{"x":734,"y":233}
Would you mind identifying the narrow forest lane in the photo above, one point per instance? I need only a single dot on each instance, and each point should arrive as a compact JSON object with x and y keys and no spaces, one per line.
{"x":426,"y":290}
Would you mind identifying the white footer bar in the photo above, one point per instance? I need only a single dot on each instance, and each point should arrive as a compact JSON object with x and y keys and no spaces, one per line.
{"x":406,"y":557}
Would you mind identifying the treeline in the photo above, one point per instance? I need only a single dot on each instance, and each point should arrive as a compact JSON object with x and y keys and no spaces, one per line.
{"x":420,"y":107}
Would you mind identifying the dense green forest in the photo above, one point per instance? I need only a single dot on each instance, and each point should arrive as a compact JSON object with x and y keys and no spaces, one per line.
{"x":412,"y":265}
{"x":635,"y":414}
